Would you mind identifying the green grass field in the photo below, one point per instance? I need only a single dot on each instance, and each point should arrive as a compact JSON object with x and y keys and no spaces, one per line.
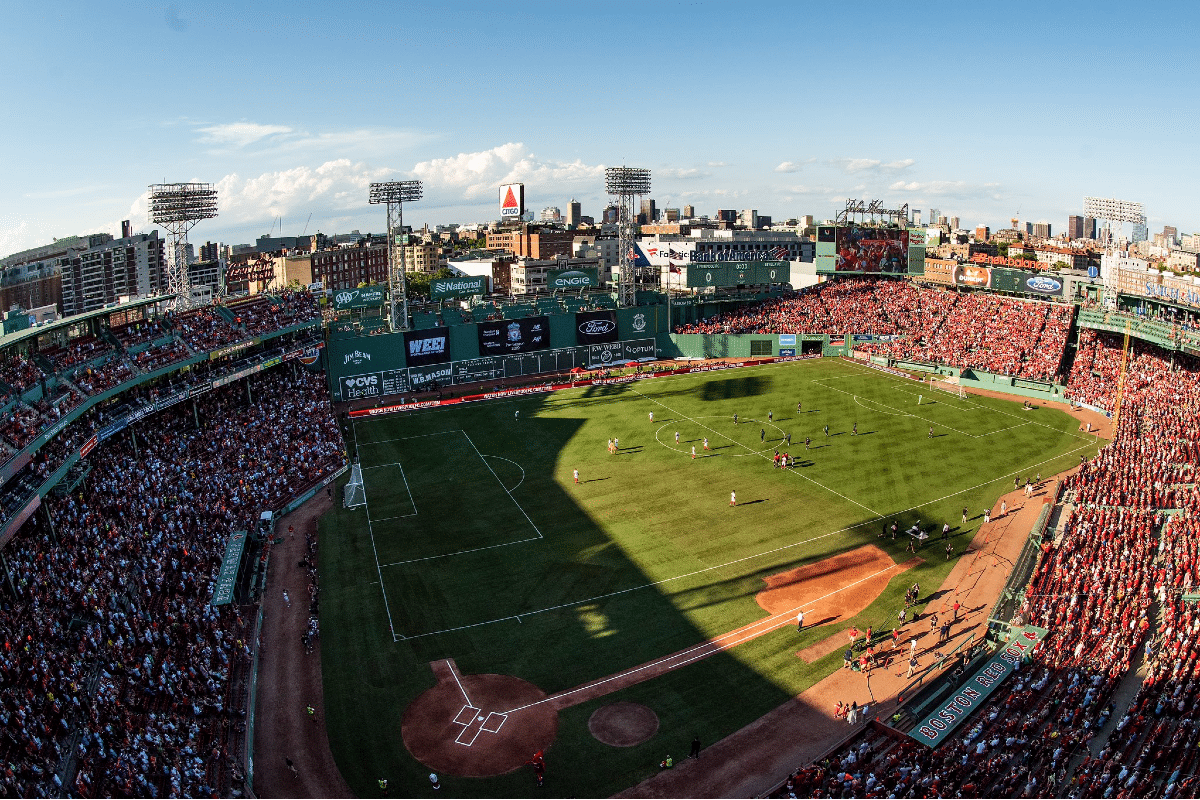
{"x":475,"y":521}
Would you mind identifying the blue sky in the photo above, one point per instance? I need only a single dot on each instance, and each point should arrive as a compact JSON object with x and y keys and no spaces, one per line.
{"x":980,"y":110}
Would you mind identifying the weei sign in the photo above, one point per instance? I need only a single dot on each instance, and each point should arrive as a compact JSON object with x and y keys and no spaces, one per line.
{"x":430,"y":346}
{"x":361,"y":297}
{"x":934,"y":728}
{"x":584,"y":278}
{"x":469,"y":286}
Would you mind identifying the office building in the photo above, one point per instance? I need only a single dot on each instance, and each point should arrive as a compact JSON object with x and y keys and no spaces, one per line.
{"x":132,"y":266}
{"x":347,"y":267}
{"x":689,"y":212}
{"x":574,"y":213}
{"x":649,"y":212}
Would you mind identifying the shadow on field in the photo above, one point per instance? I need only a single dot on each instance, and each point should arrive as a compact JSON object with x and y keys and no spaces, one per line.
{"x":732,"y":388}
{"x":565,"y":585}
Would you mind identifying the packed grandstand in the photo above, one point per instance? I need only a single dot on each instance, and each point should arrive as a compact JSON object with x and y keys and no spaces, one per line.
{"x":120,"y":678}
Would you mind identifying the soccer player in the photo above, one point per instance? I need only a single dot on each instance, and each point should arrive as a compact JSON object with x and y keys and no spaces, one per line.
{"x":930,"y":431}
{"x":735,"y":419}
{"x":797,"y":408}
{"x":807,"y":442}
{"x":652,"y":416}
{"x":732,"y":499}
{"x":576,"y":475}
{"x":827,"y":430}
{"x":770,"y":416}
{"x":854,"y":430}
{"x":517,"y":414}
{"x":705,"y":442}
{"x":762,"y":434}
{"x":964,"y":522}
{"x":676,"y":437}
{"x":693,"y":452}
{"x":789,"y":439}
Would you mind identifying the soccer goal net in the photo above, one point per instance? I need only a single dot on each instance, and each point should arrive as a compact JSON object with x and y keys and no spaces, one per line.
{"x":355,"y":494}
{"x":949,"y":388}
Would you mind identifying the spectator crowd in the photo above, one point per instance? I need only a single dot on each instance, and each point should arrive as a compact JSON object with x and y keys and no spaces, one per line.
{"x":118,"y":675}
{"x":1021,"y":338}
{"x":1110,"y":590}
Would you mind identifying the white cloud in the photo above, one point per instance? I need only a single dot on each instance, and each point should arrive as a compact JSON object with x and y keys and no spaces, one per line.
{"x":470,"y":176}
{"x":853,"y":165}
{"x":788,"y":166}
{"x":717,"y":164}
{"x":241,"y":134}
{"x":951,"y":188}
{"x":684,"y":174}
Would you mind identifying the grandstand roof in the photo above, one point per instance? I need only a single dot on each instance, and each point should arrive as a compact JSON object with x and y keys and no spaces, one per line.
{"x":12,"y":338}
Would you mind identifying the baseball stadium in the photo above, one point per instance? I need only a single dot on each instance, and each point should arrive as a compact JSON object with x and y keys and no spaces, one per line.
{"x":873,"y":537}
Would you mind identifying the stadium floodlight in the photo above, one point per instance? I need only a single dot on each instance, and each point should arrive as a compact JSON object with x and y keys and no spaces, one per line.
{"x":177,"y":207}
{"x":394,"y":194}
{"x":627,"y":184}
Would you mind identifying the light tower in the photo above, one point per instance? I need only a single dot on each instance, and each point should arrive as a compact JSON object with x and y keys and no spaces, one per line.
{"x":395,"y":194}
{"x":627,"y":184}
{"x":177,"y":207}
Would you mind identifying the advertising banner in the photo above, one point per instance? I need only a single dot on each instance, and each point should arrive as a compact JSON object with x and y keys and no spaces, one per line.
{"x":787,"y":340}
{"x":227,"y":578}
{"x":582,"y":278}
{"x":473,"y":286}
{"x":361,"y":297}
{"x":431,"y":346}
{"x":501,"y":337}
{"x":1025,"y":281}
{"x":934,"y":729}
{"x":356,"y":387}
{"x":973,"y":276}
{"x":595,"y":327}
{"x":512,"y":200}
{"x":422,"y":378}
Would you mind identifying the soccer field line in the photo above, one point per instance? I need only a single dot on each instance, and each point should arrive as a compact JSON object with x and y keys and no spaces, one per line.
{"x":894,"y":379}
{"x":709,"y":647}
{"x":515,"y":464}
{"x":411,"y":500}
{"x":406,"y":438}
{"x":375,"y":551}
{"x":899,"y":412}
{"x":750,"y":557}
{"x":755,"y":452}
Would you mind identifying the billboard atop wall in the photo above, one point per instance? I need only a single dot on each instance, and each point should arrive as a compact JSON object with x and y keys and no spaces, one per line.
{"x":512,"y":201}
{"x":862,"y":248}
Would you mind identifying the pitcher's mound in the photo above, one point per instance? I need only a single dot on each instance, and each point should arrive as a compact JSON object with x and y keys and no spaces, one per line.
{"x":623,"y":724}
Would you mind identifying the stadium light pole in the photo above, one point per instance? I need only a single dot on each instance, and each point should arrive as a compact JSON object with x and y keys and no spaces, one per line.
{"x":395,"y":194}
{"x":626,"y":184}
{"x":177,"y":207}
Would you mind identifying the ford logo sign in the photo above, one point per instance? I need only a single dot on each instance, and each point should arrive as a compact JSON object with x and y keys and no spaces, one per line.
{"x":597,"y":327}
{"x":1043,"y":284}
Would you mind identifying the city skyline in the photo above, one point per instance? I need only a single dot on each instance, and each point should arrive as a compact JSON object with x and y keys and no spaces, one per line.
{"x":953,"y":108}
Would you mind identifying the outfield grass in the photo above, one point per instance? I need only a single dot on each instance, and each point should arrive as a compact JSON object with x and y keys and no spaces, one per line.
{"x":475,"y":521}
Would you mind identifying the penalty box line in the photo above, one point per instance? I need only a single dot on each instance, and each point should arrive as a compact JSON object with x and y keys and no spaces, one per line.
{"x":759,"y":453}
{"x":484,"y":460}
{"x":374,"y":550}
{"x":883,"y":375}
{"x":762,"y":554}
